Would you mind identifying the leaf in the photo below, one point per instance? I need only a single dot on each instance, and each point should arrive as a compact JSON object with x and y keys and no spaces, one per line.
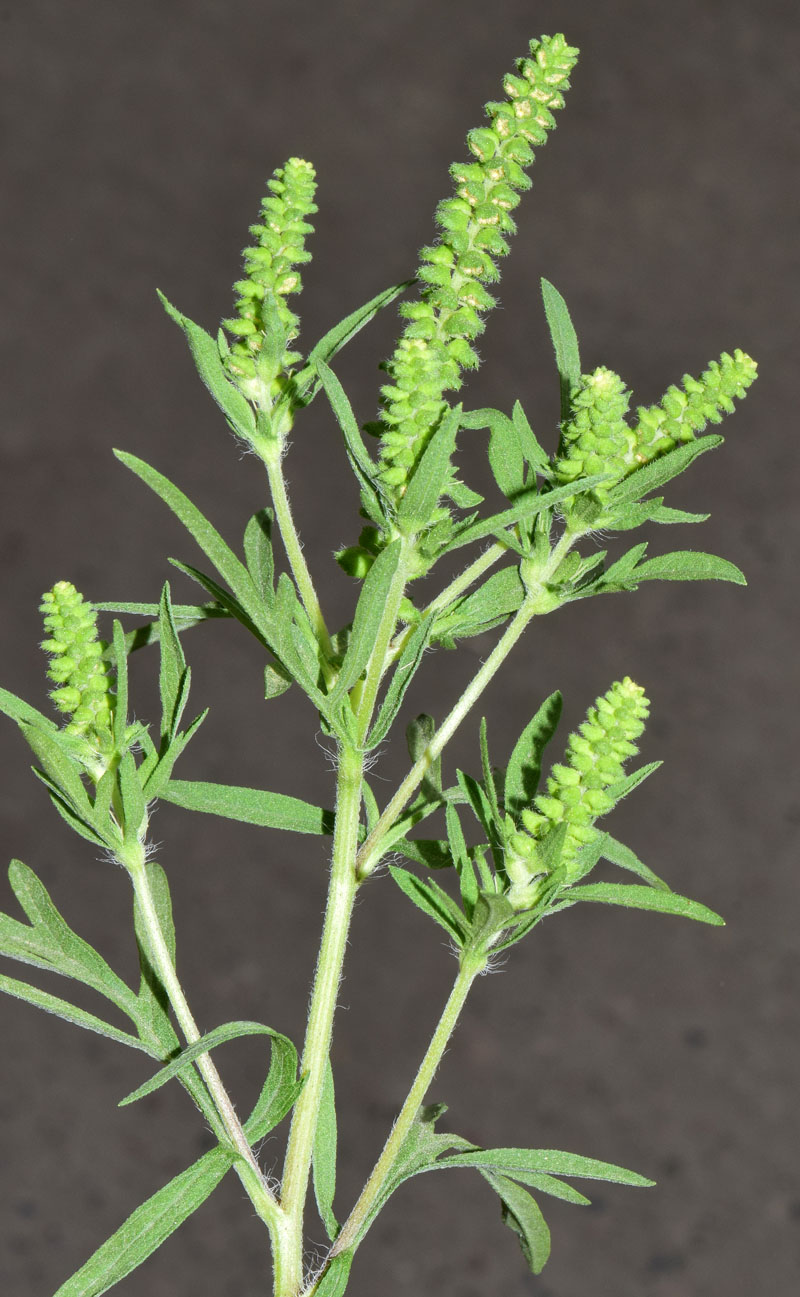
{"x":404,"y":672}
{"x":205,"y":354}
{"x":565,"y":342}
{"x":338,"y":337}
{"x":369,"y":612}
{"x":173,"y":673}
{"x":148,"y":1227}
{"x":523,"y":1216}
{"x":363,"y":465}
{"x":433,"y":901}
{"x":627,"y":784}
{"x":120,"y":713}
{"x":21,"y":712}
{"x":526,"y":506}
{"x":430,"y":476}
{"x":505,"y":452}
{"x":278,"y":1093}
{"x":618,"y":854}
{"x":70,"y":1012}
{"x":154,"y":1009}
{"x":636,"y":897}
{"x":334,"y":1279}
{"x":258,"y":553}
{"x":134,"y":807}
{"x":461,"y":860}
{"x":219,"y":1035}
{"x":688,"y":565}
{"x":275,"y":682}
{"x":224,"y":600}
{"x":324,"y":1154}
{"x":50,"y":943}
{"x":657,"y":472}
{"x":249,"y":806}
{"x":62,"y":769}
{"x":531,"y":449}
{"x":419,"y":735}
{"x":230,"y":568}
{"x":509,"y":1161}
{"x":555,"y":1188}
{"x":489,"y":777}
{"x":499,"y":596}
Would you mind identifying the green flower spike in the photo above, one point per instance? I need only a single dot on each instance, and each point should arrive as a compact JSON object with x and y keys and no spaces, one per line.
{"x":597,"y":438}
{"x":437,"y":341}
{"x":270,"y":276}
{"x":579,"y":791}
{"x":684,"y":412}
{"x":77,"y":667}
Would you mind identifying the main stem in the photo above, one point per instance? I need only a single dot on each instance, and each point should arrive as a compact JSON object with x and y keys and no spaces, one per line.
{"x":471,"y":966}
{"x":341,"y":897}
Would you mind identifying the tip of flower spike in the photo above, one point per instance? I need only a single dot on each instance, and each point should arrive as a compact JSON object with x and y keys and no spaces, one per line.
{"x":76,"y":666}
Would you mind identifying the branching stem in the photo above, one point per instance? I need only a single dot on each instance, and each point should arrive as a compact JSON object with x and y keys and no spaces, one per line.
{"x":246,"y":1165}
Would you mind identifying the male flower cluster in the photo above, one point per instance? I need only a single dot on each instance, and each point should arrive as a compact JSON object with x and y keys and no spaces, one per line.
{"x":270,"y":276}
{"x":437,"y":341}
{"x":579,"y":791}
{"x":84,"y":685}
{"x":598,"y":439}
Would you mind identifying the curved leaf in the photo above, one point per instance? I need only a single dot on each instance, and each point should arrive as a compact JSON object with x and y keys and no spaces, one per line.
{"x":249,"y":806}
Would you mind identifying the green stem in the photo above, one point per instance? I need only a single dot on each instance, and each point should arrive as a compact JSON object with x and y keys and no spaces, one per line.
{"x":246,"y":1165}
{"x":294,"y":552}
{"x":359,"y":1218}
{"x":452,"y":591}
{"x":341,"y":897}
{"x":535,"y":600}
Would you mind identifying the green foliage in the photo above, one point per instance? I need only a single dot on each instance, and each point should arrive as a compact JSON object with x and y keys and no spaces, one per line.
{"x":520,"y":849}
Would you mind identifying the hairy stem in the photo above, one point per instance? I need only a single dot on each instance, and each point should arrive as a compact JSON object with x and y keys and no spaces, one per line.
{"x":341,"y":897}
{"x":246,"y":1165}
{"x":370,"y":852}
{"x":359,"y":1218}
{"x":294,"y":553}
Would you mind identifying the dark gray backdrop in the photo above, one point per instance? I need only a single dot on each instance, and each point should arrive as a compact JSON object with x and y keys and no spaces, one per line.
{"x":138,"y":139}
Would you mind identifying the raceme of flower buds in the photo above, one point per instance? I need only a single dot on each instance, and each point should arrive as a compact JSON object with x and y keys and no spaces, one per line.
{"x":84,"y":681}
{"x":270,"y":276}
{"x":579,"y":790}
{"x":436,"y":344}
{"x":598,"y":439}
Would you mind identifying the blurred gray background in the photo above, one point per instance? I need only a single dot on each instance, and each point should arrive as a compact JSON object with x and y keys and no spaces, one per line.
{"x":138,"y":138}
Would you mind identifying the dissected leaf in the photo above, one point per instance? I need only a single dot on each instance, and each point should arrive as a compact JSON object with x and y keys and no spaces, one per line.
{"x":70,"y":1012}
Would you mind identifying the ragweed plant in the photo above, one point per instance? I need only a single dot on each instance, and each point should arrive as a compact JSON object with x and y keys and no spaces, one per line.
{"x":530,"y":845}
